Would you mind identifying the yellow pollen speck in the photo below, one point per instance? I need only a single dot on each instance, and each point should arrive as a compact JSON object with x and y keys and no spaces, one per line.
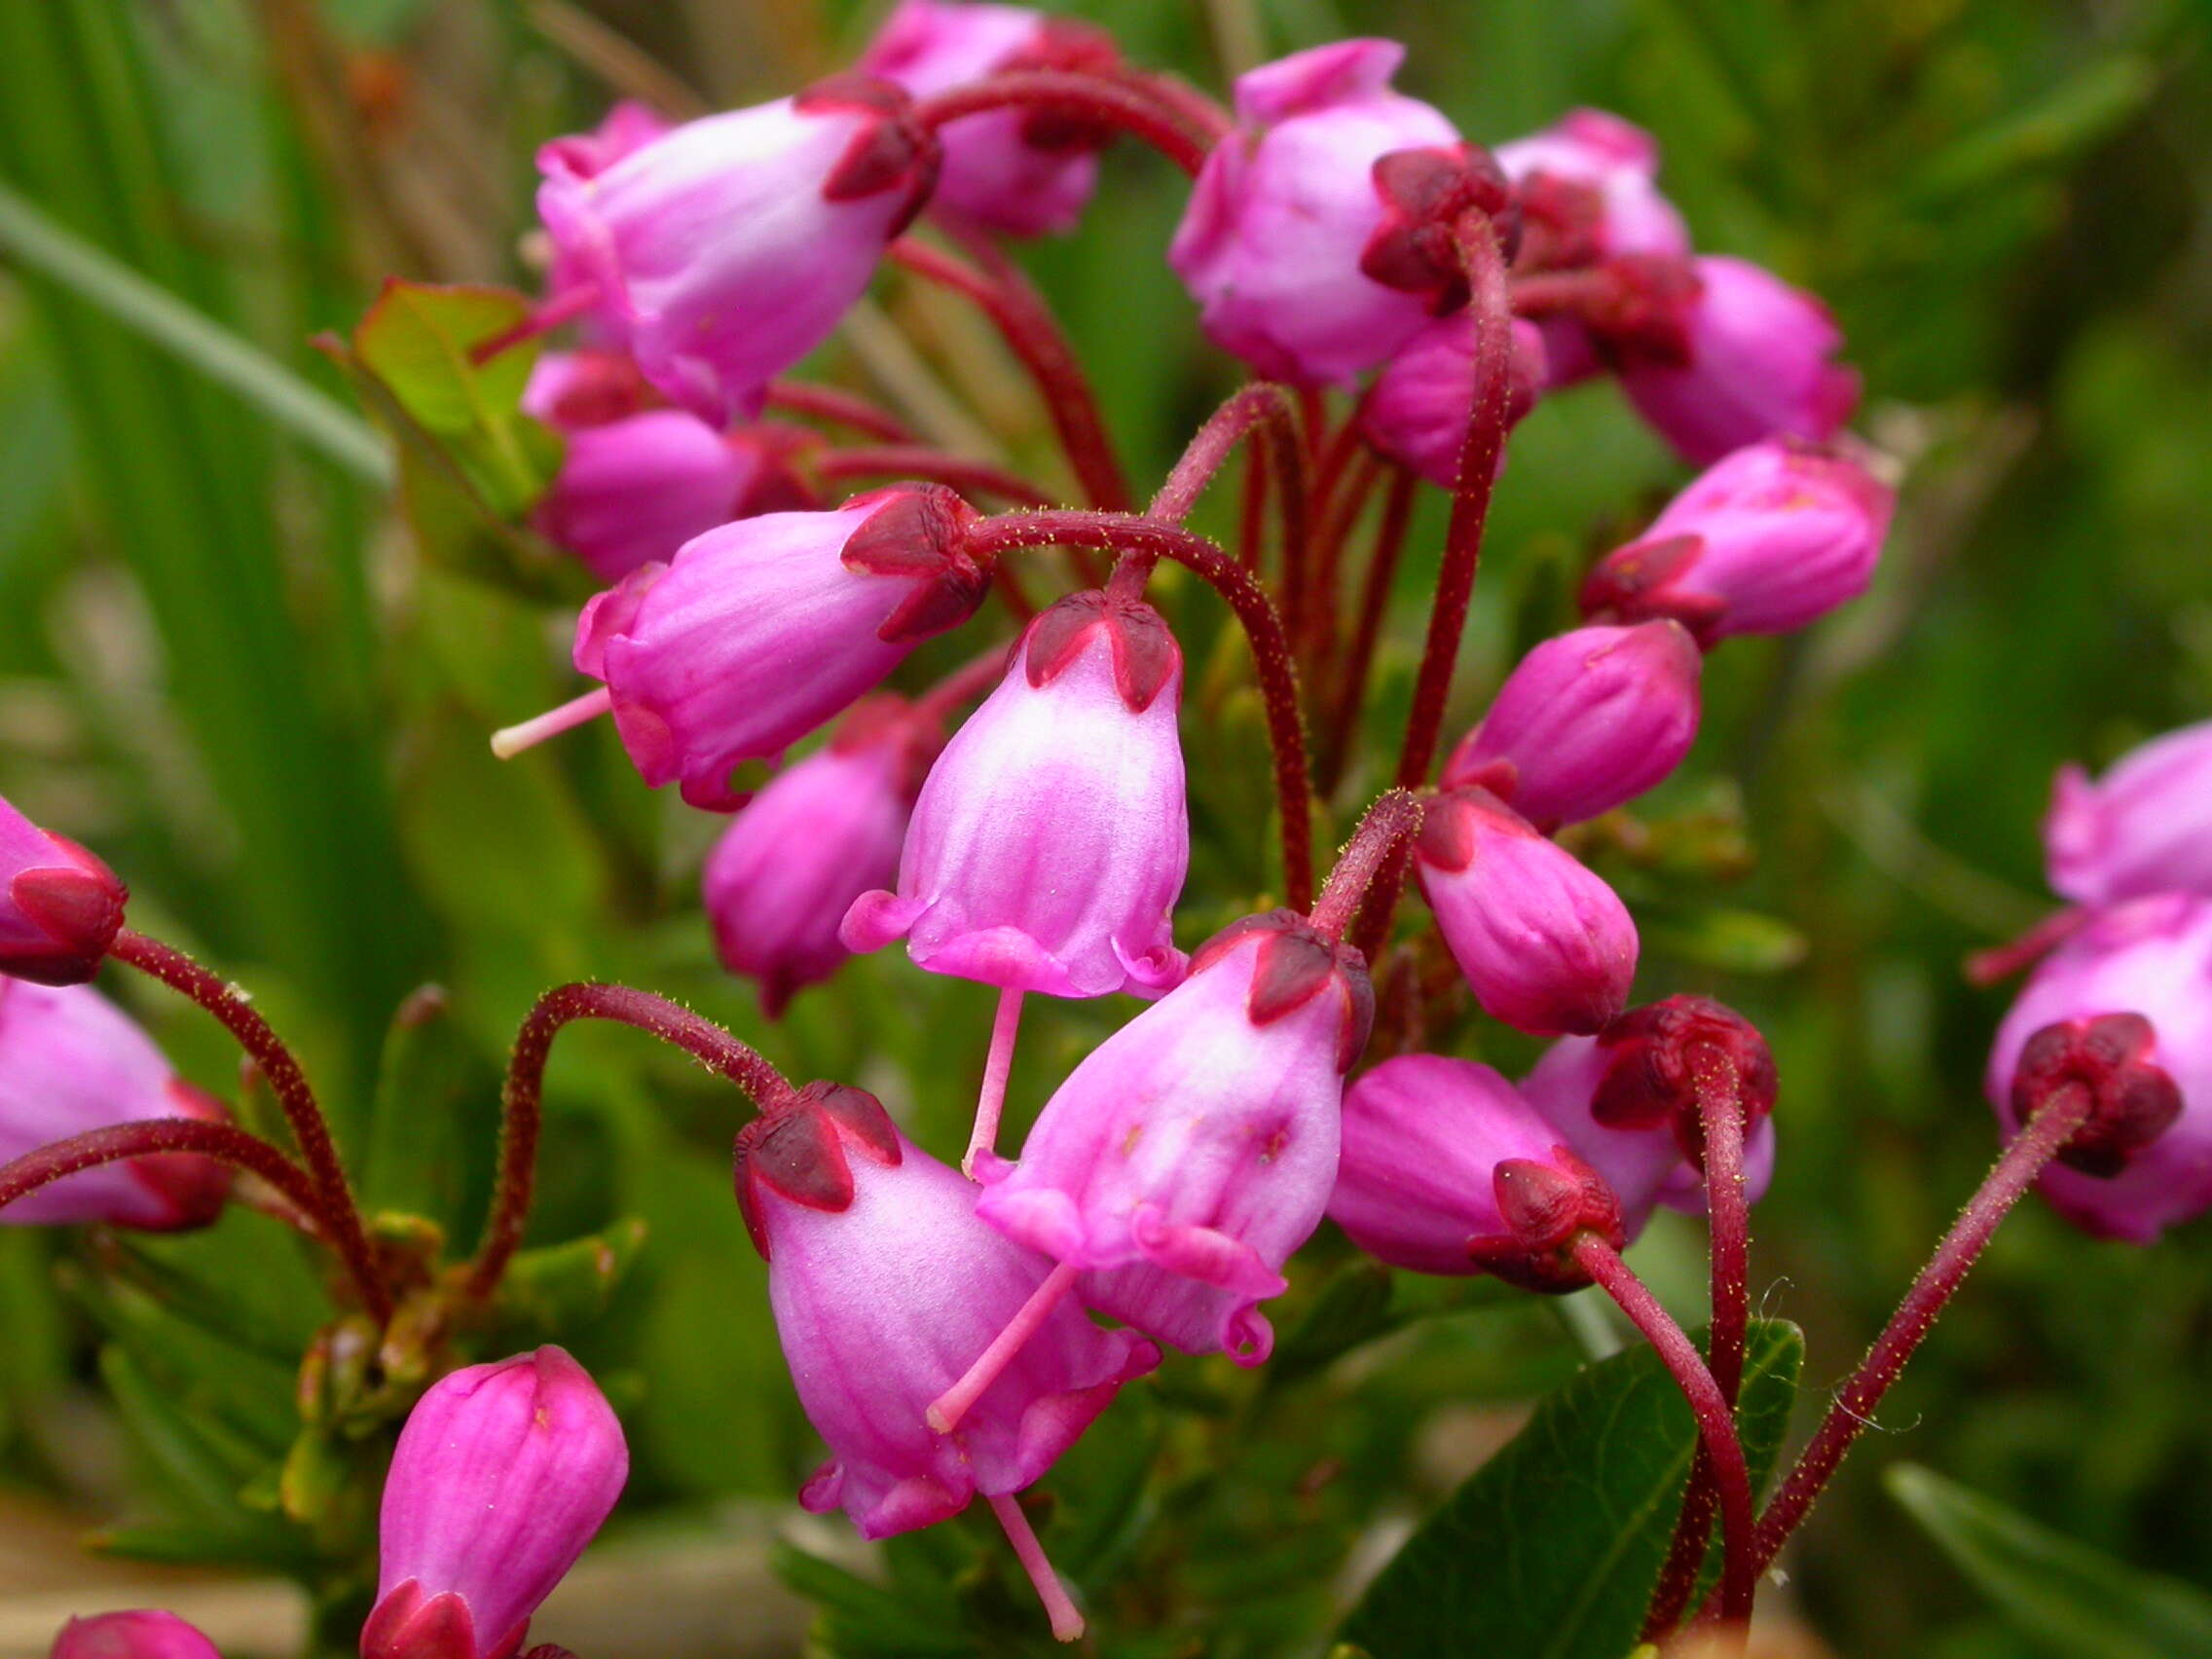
{"x":1129,"y":1141}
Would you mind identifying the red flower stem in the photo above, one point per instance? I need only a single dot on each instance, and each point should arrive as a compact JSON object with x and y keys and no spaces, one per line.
{"x":521,"y":1101}
{"x":834,"y":407}
{"x":1720,"y":1111}
{"x":1484,"y":263}
{"x":1267,"y":411}
{"x":1205,"y":116}
{"x":1335,"y":457}
{"x":225,"y":1142}
{"x":1374,"y":603}
{"x":1129,"y":532}
{"x":1110,"y":103}
{"x":1715,"y":1422}
{"x":979,"y":673}
{"x":1391,"y":823}
{"x":2048,"y":1130}
{"x":1252,"y":513}
{"x":334,"y":1206}
{"x":1549,"y":293}
{"x":933,"y":466}
{"x":1023,"y":320}
{"x":1329,"y":553}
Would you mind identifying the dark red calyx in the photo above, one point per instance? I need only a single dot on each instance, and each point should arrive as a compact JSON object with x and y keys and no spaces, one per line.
{"x":2133,"y":1099}
{"x":1145,"y":652}
{"x":407,"y":1624}
{"x":1446,"y":839}
{"x":1424,"y":195}
{"x":1656,"y":1055}
{"x":919,"y":532}
{"x":799,"y":1148}
{"x":78,"y":907}
{"x":1071,"y":46}
{"x":1632,"y":585}
{"x":893,"y":152}
{"x":1294,"y":964}
{"x":1642,"y":310}
{"x":1546,"y":1207}
{"x":1561,"y":220}
{"x":601,"y":387}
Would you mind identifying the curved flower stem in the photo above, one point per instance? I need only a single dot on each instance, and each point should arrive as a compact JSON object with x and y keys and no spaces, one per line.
{"x":835,"y":406}
{"x":334,"y":1206}
{"x":1251,"y":513}
{"x":2046,"y":1131}
{"x":1350,"y":687}
{"x":1117,"y":103}
{"x":1202,"y":114}
{"x":1715,"y":1422}
{"x":225,"y":1142}
{"x":702,"y":1039}
{"x":1027,"y":326}
{"x":1269,"y":410}
{"x":1720,"y":1111}
{"x":1391,"y":823}
{"x":1130,"y":532}
{"x":931,"y":466}
{"x":1484,"y":263}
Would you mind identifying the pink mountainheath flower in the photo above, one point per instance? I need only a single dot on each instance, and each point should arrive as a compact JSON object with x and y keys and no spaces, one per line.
{"x":2145,"y":827}
{"x":59,"y":906}
{"x":143,"y":1633}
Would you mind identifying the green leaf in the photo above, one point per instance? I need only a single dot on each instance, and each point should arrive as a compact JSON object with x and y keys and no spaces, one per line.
{"x":1364,"y":1299}
{"x":556,"y":1289}
{"x":861,"y":1620}
{"x":1550,"y":1550}
{"x":2068,"y":120}
{"x":433,"y":1121}
{"x":2066,"y":1598}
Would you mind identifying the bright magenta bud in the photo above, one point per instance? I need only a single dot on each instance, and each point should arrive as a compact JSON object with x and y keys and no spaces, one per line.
{"x":59,"y":906}
{"x":502,"y":1474}
{"x":1585,"y":721}
{"x":1545,"y":944}
{"x":1417,"y":410}
{"x":1772,"y":537}
{"x":144,"y":1632}
{"x":2145,"y":827}
{"x":70,"y":1060}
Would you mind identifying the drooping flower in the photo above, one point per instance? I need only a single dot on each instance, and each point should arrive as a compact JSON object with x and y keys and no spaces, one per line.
{"x":2136,"y":983}
{"x":761,"y":631}
{"x":1022,"y":171}
{"x":502,"y":1474}
{"x":627,"y":126}
{"x":1317,"y":238}
{"x":1051,"y":840}
{"x":1587,"y":719}
{"x":820,"y":833}
{"x":70,"y":1060}
{"x":1754,"y":361}
{"x":1768,"y":539}
{"x":2145,"y":827}
{"x":1191,"y":1151}
{"x":721,"y":252}
{"x":59,"y":906}
{"x":143,"y":1633}
{"x":1545,"y":943}
{"x":1417,"y":410}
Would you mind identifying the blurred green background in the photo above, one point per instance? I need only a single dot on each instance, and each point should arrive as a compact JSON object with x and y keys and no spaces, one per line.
{"x":224,"y":665}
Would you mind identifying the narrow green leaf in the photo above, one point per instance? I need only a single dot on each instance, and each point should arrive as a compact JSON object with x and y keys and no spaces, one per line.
{"x":2065,"y":1598}
{"x":2067,"y":119}
{"x":1550,"y":1550}
{"x":433,"y":1121}
{"x":866,"y":1621}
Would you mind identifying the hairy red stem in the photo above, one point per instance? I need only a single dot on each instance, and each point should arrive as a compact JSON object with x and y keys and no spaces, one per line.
{"x":1330,"y":538}
{"x":1267,"y":411}
{"x":1115,"y":103}
{"x":1351,"y":688}
{"x":1390,"y":824}
{"x":933,"y":466}
{"x":839,"y":408}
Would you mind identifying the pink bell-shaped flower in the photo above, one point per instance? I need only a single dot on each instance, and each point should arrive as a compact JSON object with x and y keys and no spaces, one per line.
{"x":885,"y":1288}
{"x":1439,"y":1158}
{"x":1585,"y":721}
{"x":1768,"y":539}
{"x":1417,"y":412}
{"x":819,"y":834}
{"x":1755,"y":362}
{"x":626,"y":127}
{"x":59,"y":906}
{"x":761,"y":631}
{"x":1181,"y":1164}
{"x":1317,"y":240}
{"x":2131,"y":996}
{"x":1022,"y":171}
{"x":70,"y":1060}
{"x":143,"y":1633}
{"x":723,"y":251}
{"x":1545,"y":944}
{"x":502,"y":1474}
{"x":2145,"y":827}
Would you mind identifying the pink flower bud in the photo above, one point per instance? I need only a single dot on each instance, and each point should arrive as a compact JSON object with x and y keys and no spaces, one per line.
{"x":502,"y":1476}
{"x":1613,"y":167}
{"x":1184,"y":1160}
{"x":1587,"y":721}
{"x":60,"y":906}
{"x":1768,"y":539}
{"x":1417,"y":409}
{"x":885,"y":1287}
{"x":725,"y":250}
{"x":1425,"y":1140}
{"x":2145,"y":827}
{"x":1755,"y":364}
{"x":1020,"y":171}
{"x":145,"y":1633}
{"x":764,"y":629}
{"x":1051,"y":840}
{"x":1545,"y":943}
{"x":1303,"y":239}
{"x":70,"y":1060}
{"x":2128,"y":1176}
{"x":820,"y":834}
